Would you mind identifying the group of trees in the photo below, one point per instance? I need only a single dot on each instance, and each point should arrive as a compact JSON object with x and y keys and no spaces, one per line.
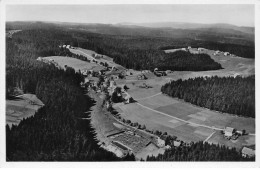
{"x":224,"y":94}
{"x":56,"y":132}
{"x":200,"y":152}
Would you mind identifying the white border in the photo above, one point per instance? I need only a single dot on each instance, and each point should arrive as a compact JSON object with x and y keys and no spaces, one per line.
{"x":120,"y":165}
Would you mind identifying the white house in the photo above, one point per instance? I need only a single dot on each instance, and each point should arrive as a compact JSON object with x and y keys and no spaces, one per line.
{"x":226,"y":53}
{"x":248,"y":152}
{"x":229,"y":132}
{"x":160,"y":142}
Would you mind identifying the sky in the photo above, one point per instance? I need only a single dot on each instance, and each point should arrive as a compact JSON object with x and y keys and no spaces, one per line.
{"x":240,"y":15}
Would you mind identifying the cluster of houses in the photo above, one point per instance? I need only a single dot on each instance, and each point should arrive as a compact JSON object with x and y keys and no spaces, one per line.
{"x":232,"y":134}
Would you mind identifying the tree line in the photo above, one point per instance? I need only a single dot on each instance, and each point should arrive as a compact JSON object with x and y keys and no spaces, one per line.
{"x":200,"y":152}
{"x":224,"y":94}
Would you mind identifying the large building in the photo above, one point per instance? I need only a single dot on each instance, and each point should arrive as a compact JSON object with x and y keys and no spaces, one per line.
{"x":229,"y":131}
{"x":248,"y":152}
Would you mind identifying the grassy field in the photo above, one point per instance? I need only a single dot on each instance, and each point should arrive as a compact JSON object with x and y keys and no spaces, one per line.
{"x":72,"y":62}
{"x":21,"y":107}
{"x":232,"y":66}
{"x":88,"y":54}
{"x":153,"y":120}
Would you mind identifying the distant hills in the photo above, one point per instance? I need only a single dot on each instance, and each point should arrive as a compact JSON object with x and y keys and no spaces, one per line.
{"x":218,"y":33}
{"x":183,"y":25}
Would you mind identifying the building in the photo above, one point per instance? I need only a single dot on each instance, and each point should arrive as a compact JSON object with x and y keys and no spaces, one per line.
{"x":248,"y":152}
{"x":226,"y":53}
{"x":160,"y":142}
{"x":176,"y":143}
{"x":229,"y":131}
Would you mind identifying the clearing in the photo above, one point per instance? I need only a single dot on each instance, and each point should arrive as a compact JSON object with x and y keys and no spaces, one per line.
{"x":21,"y":107}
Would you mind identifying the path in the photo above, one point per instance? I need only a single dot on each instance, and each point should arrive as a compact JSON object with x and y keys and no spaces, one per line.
{"x":209,"y":137}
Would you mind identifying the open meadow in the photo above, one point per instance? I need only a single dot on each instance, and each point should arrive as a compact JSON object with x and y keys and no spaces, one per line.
{"x":21,"y":107}
{"x":72,"y":62}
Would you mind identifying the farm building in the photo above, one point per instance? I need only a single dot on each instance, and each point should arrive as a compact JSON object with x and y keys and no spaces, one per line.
{"x":128,"y":99}
{"x":176,"y":143}
{"x":97,"y":56}
{"x":39,"y":59}
{"x":229,"y":131}
{"x":226,"y":53}
{"x":248,"y":152}
{"x":200,"y":49}
{"x":160,"y":142}
{"x":141,"y":77}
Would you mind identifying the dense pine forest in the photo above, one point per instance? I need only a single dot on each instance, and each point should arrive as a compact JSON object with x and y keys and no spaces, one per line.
{"x":200,"y":152}
{"x":56,"y":132}
{"x":227,"y":94}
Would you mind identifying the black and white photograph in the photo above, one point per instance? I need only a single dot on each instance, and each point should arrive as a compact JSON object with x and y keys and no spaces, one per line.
{"x":128,"y":82}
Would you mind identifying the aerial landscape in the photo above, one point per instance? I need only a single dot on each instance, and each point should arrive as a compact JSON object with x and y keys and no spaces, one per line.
{"x":105,"y":87}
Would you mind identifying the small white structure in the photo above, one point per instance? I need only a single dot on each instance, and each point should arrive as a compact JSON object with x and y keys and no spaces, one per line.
{"x":200,"y":49}
{"x":160,"y":142}
{"x":39,"y":59}
{"x":156,"y":69}
{"x":226,"y":53}
{"x":248,"y":152}
{"x":176,"y":143}
{"x":229,"y":131}
{"x":189,"y":47}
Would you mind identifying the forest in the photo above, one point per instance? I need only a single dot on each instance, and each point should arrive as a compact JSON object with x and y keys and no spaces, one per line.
{"x":142,"y":52}
{"x":200,"y":152}
{"x":224,"y":94}
{"x":56,"y":132}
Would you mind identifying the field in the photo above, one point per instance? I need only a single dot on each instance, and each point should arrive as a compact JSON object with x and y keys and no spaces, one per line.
{"x":105,"y":124}
{"x":88,"y":54}
{"x":72,"y":62}
{"x":184,"y":120}
{"x":21,"y":107}
{"x":232,"y":66}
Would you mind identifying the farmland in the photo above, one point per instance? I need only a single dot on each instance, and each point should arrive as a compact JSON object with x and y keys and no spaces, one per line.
{"x":72,"y":62}
{"x":174,"y":116}
{"x":21,"y":107}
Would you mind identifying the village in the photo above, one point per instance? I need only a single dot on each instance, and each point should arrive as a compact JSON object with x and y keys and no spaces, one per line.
{"x":133,"y":137}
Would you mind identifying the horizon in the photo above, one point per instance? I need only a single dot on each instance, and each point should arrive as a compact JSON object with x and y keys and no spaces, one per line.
{"x":130,"y":23}
{"x":238,"y":15}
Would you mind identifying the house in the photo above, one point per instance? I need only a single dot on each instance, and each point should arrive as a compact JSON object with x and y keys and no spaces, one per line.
{"x":141,"y":77}
{"x":189,"y":47}
{"x":200,"y":49}
{"x":68,"y":46}
{"x":128,"y":99}
{"x":39,"y":59}
{"x":97,"y":56}
{"x":176,"y":143}
{"x":160,"y":142}
{"x":226,"y":53}
{"x":248,"y":152}
{"x":229,"y":132}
